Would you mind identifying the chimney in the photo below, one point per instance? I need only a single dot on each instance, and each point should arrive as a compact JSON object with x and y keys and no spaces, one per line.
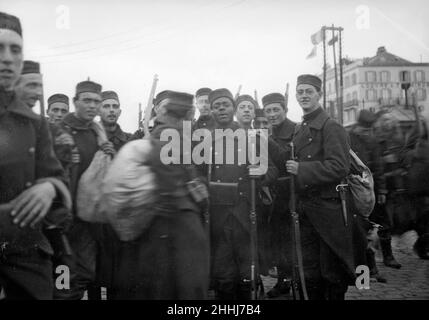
{"x":381,"y":50}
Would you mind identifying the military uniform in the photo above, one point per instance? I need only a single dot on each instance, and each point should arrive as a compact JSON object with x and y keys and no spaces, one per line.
{"x":170,"y":260}
{"x":204,"y":122}
{"x":26,"y":156}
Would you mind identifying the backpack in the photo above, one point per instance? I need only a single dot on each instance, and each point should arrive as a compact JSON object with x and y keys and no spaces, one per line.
{"x":361,"y":185}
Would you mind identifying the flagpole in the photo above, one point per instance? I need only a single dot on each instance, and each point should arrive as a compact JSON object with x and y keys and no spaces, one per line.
{"x":324,"y":68}
{"x":339,"y":117}
{"x":341,"y":77}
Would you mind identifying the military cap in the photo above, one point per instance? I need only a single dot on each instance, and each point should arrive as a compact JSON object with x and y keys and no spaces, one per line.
{"x":109,"y":95}
{"x":176,"y":102}
{"x":246,"y":97}
{"x":88,"y":86}
{"x":274,"y":98}
{"x":203,"y":92}
{"x":221,"y":93}
{"x":310,"y":79}
{"x":58,"y":97}
{"x":259,"y":113}
{"x":10,"y":22}
{"x":30,"y":67}
{"x":366,"y":118}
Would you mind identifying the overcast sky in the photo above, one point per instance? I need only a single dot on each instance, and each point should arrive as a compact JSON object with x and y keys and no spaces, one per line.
{"x":194,"y":43}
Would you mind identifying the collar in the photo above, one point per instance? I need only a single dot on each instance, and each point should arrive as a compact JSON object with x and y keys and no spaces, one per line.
{"x":205,"y":118}
{"x":72,"y":121}
{"x":316,"y":119}
{"x":118,"y":133}
{"x":233,"y":125}
{"x":284,"y":130}
{"x":10,"y":103}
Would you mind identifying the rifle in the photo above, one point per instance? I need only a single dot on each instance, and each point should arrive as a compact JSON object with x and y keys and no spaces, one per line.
{"x":140,"y":124}
{"x":298,"y":293}
{"x":42,"y":103}
{"x":149,"y":107}
{"x":238,"y":92}
{"x":287,"y":95}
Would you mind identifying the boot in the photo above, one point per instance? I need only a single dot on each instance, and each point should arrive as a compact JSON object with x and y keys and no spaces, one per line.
{"x":373,"y":270}
{"x":282,"y":287}
{"x":388,"y":258}
{"x":421,"y":247}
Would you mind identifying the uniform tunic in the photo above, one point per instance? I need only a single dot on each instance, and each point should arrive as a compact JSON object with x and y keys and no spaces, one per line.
{"x":26,"y":155}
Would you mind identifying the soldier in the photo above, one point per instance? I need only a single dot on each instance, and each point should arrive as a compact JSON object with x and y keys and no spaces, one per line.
{"x":282,"y":132}
{"x":365,"y":144}
{"x":321,"y":162}
{"x":79,"y":126}
{"x":229,"y":209}
{"x":245,"y":111}
{"x":29,"y":88}
{"x":171,"y":259}
{"x":109,"y":114}
{"x":30,"y":185}
{"x":205,"y":119}
{"x":109,"y":244}
{"x":261,"y":121}
{"x":58,"y":108}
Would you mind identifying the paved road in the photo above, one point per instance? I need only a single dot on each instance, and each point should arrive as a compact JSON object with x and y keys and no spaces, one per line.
{"x":411,"y":282}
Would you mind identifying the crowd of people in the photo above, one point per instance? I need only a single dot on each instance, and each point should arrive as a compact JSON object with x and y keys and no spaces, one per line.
{"x":190,"y":246}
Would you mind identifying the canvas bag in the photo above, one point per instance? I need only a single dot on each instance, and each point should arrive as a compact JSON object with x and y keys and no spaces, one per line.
{"x":89,"y":185}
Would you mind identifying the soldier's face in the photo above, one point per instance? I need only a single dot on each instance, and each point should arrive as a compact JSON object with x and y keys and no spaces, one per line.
{"x":261,"y":123}
{"x":223,"y":111}
{"x":245,"y":112}
{"x":308,"y":97}
{"x":275,"y":113}
{"x":203,"y":105}
{"x":110,"y":111}
{"x":57,"y":112}
{"x":29,"y":88}
{"x":11,"y":58}
{"x":87,"y":105}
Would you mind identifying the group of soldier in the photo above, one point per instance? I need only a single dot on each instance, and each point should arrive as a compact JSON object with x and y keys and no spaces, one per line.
{"x":183,"y":253}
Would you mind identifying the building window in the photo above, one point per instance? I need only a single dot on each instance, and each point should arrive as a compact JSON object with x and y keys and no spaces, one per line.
{"x":371,"y":95}
{"x":386,"y":94}
{"x":404,"y":76}
{"x":419,"y":76}
{"x":421,"y":94}
{"x":354,"y":80}
{"x":346,"y":82}
{"x":354,"y":95}
{"x":371,"y":76}
{"x":385,"y":76}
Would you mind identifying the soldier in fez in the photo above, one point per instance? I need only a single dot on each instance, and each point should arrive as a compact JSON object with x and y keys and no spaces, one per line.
{"x":58,"y":108}
{"x":32,"y":194}
{"x":245,"y":112}
{"x":29,"y":88}
{"x":205,"y":120}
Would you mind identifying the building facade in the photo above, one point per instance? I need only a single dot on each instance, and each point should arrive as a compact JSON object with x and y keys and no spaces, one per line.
{"x":375,"y":83}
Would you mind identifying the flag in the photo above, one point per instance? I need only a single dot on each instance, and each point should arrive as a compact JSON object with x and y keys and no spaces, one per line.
{"x":312,"y":53}
{"x":317,"y":37}
{"x":332,"y":41}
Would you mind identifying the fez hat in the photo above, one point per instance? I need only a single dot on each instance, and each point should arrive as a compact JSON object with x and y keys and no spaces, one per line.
{"x":246,"y":97}
{"x":221,"y":93}
{"x":366,"y":118}
{"x":203,"y":92}
{"x":88,"y":86}
{"x":30,"y":67}
{"x":10,"y":22}
{"x":178,"y":103}
{"x":274,"y":98}
{"x":311,"y":80}
{"x":109,"y":95}
{"x":58,"y":97}
{"x":259,"y":113}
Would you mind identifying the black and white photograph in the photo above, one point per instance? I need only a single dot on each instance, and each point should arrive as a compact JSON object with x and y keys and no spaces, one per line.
{"x":219,"y":156}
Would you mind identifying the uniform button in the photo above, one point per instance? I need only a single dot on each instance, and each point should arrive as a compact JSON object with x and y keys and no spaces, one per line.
{"x":306,"y":186}
{"x":309,"y":157}
{"x":28,"y":184}
{"x":31,"y":150}
{"x":218,"y":181}
{"x":304,"y":123}
{"x":239,"y":179}
{"x":310,"y":139}
{"x":74,"y":132}
{"x":241,"y":193}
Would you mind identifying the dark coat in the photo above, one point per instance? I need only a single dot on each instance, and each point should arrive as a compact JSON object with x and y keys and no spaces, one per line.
{"x":204,"y":122}
{"x":26,"y":157}
{"x":118,"y":137}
